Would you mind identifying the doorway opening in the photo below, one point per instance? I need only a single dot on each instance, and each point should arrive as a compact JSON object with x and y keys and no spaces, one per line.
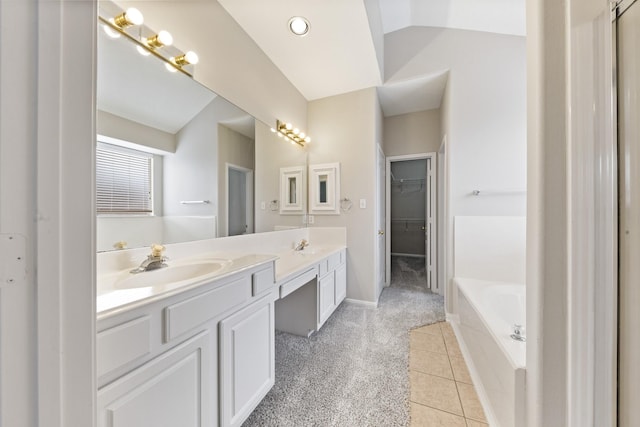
{"x":411,"y":222}
{"x":239,"y":200}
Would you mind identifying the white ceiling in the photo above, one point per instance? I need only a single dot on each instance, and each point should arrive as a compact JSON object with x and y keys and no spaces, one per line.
{"x":338,"y":54}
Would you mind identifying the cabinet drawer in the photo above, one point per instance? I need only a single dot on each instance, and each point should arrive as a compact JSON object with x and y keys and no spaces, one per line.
{"x":263,"y":280}
{"x":119,"y":345}
{"x":187,"y":314}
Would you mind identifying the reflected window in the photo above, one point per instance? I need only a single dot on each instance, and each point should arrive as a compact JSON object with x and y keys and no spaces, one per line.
{"x":323,"y":188}
{"x":292,"y":191}
{"x":123,"y":181}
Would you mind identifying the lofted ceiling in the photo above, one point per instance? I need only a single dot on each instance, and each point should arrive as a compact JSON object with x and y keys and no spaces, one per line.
{"x":339,"y":55}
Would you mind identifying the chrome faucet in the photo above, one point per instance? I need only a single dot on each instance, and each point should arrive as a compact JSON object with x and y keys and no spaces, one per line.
{"x":154,"y":261}
{"x":300,"y":246}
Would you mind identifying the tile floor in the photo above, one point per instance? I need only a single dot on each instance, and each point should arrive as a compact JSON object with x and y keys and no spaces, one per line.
{"x":441,"y":390}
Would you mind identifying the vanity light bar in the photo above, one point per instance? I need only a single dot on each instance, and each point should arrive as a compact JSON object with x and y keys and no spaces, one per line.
{"x":292,"y":134}
{"x":152,"y":44}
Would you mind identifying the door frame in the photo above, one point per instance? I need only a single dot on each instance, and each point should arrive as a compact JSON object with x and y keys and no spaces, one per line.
{"x":381,"y":232}
{"x":433,"y":238}
{"x":248,"y":173}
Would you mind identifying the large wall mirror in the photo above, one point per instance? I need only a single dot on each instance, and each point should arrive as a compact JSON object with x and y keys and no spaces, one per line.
{"x":175,"y":162}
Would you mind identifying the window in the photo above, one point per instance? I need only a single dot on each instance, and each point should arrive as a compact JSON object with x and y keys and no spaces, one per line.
{"x":123,"y":180}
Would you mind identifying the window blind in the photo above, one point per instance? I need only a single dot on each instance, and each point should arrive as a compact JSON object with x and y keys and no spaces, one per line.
{"x":123,"y":181}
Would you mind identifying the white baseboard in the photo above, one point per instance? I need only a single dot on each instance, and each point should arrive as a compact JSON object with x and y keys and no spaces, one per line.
{"x":362,"y":302}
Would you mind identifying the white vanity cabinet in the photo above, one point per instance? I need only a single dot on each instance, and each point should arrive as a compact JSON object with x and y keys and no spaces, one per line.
{"x":203,"y":357}
{"x":247,"y":361}
{"x":332,"y":285}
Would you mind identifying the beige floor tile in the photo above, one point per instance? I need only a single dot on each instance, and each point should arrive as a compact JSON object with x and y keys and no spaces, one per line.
{"x":427,"y":342}
{"x":453,"y":349}
{"x":460,"y":371}
{"x":423,"y":416}
{"x":432,"y":363}
{"x":470,"y":402}
{"x":435,"y":392}
{"x":472,"y":423}
{"x":433,"y":329}
{"x":446,"y":327}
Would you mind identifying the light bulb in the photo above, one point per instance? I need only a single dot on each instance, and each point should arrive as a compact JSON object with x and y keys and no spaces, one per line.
{"x":289,"y":126}
{"x":186,"y":58}
{"x":134,"y":16}
{"x":296,"y":131}
{"x":307,"y":139}
{"x":163,"y":38}
{"x":301,"y":135}
{"x":170,"y":68}
{"x":142,"y":51}
{"x":110,"y":31}
{"x":279,"y":135}
{"x":286,"y":138}
{"x":272,"y":130}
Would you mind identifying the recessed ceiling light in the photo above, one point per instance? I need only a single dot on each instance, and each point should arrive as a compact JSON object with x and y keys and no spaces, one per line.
{"x":299,"y":25}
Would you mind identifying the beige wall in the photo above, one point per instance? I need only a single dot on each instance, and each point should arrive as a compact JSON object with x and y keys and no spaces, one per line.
{"x":345,"y":128}
{"x":113,"y":126}
{"x":412,"y":133}
{"x":235,"y":149}
{"x":272,"y":153}
{"x":231,"y":64}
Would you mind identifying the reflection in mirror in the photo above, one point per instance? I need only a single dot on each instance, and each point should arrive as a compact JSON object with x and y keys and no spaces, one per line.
{"x":324,"y":189}
{"x":292,"y":191}
{"x":194,"y":139}
{"x":322,"y":180}
{"x":292,"y":185}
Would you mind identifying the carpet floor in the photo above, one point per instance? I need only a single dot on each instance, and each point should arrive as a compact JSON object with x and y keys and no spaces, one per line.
{"x":354,"y":371}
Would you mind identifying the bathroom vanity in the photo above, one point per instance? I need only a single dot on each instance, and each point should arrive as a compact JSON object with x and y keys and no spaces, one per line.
{"x":199,"y":351}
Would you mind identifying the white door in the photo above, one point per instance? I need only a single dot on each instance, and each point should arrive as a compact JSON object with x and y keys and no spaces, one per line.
{"x":381,"y":221}
{"x":430,"y":240}
{"x":629,"y":216}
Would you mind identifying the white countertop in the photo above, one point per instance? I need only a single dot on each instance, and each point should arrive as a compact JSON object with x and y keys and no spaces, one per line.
{"x":112,"y":300}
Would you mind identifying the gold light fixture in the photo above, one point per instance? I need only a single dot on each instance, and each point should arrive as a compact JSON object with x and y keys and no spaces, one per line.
{"x":115,"y":27}
{"x":131,"y":16}
{"x":291,"y":134}
{"x":189,"y":58}
{"x":163,"y":38}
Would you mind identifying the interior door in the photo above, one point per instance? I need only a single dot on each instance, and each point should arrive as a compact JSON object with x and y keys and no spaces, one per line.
{"x":628,"y":63}
{"x":430,"y":240}
{"x":381,"y":221}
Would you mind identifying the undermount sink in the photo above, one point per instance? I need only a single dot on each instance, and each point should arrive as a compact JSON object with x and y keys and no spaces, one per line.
{"x":171,"y":274}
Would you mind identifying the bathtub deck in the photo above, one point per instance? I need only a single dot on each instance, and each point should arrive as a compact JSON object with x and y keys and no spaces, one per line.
{"x":442,"y":392}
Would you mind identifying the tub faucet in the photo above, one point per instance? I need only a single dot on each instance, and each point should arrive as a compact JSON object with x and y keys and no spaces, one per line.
{"x":300,"y":246}
{"x":518,"y":333}
{"x":154,"y":261}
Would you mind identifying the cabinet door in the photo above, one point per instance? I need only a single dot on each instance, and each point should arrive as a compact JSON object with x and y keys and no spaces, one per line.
{"x":326,"y":289}
{"x":247,"y":360}
{"x":341,"y":283}
{"x":172,"y":390}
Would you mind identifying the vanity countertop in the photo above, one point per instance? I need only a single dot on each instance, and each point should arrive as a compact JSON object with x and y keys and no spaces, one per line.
{"x":292,"y":263}
{"x":112,"y":299}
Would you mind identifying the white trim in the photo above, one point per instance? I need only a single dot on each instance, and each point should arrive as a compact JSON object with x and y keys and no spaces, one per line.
{"x":362,"y":303}
{"x":66,"y":250}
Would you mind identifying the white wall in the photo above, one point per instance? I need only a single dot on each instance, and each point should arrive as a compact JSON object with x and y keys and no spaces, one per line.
{"x":412,"y":133}
{"x":487,"y":108}
{"x":235,"y":149}
{"x":346,"y":129}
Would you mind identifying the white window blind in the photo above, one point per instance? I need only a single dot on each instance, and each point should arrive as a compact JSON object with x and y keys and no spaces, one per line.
{"x":123,"y":181}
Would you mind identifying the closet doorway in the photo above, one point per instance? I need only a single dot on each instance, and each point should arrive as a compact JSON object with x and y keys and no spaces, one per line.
{"x":411,"y":222}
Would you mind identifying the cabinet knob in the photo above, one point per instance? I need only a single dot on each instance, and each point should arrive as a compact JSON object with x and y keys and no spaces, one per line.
{"x":380,"y":232}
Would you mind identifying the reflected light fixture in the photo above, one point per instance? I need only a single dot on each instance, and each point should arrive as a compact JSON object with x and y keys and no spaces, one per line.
{"x":294,"y":135}
{"x":131,"y":16}
{"x":299,"y":26}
